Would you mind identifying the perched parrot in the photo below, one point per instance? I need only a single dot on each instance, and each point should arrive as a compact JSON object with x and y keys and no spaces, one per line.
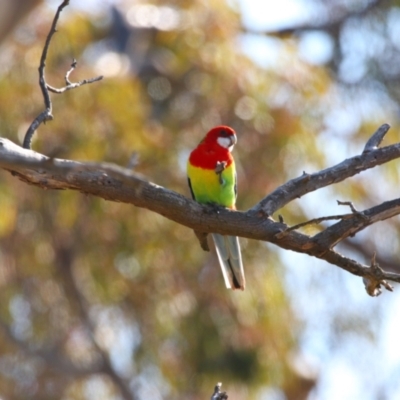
{"x":212,"y":180}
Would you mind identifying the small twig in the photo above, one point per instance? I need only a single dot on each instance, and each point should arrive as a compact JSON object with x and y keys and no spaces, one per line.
{"x":72,"y":85}
{"x":218,"y":395}
{"x":73,"y":66}
{"x":353,"y":209}
{"x":376,"y":139}
{"x":313,"y":221}
{"x":46,"y":115}
{"x":374,"y":282}
{"x":349,"y":227}
{"x":348,"y":203}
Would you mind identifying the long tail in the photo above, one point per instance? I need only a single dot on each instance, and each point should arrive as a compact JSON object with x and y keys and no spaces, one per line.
{"x":230,"y":259}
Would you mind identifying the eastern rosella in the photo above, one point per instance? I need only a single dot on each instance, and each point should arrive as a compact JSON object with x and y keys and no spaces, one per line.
{"x":212,"y":180}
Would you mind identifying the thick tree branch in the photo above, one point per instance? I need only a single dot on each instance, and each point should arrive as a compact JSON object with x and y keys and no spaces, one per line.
{"x":119,"y":184}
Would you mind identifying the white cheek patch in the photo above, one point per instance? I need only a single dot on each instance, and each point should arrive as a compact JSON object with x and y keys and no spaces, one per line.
{"x":225,"y":142}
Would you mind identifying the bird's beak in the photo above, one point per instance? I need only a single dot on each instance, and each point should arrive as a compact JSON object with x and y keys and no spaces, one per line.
{"x":233,"y":140}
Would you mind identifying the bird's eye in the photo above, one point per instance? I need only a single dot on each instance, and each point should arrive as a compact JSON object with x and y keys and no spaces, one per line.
{"x":224,"y":133}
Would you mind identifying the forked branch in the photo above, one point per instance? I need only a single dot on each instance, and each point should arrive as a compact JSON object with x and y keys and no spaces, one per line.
{"x":47,"y":115}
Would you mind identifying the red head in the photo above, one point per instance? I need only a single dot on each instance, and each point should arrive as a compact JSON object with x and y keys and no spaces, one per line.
{"x":222,"y":135}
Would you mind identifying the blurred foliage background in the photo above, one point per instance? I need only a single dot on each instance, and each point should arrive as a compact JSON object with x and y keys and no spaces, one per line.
{"x":101,"y":300}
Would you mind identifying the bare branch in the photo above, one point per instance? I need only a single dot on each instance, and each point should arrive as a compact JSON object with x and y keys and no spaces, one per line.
{"x":364,"y":249}
{"x":46,"y":115}
{"x":348,"y":203}
{"x":331,"y":236}
{"x":354,"y":267}
{"x":308,"y":183}
{"x":313,"y":221}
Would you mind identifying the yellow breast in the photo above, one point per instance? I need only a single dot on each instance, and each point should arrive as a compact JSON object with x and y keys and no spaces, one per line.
{"x":208,"y":187}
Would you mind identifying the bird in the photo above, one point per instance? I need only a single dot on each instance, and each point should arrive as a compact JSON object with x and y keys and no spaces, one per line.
{"x":212,"y":180}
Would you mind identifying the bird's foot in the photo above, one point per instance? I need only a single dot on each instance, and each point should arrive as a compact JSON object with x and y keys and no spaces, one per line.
{"x":219,"y":168}
{"x":213,"y":208}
